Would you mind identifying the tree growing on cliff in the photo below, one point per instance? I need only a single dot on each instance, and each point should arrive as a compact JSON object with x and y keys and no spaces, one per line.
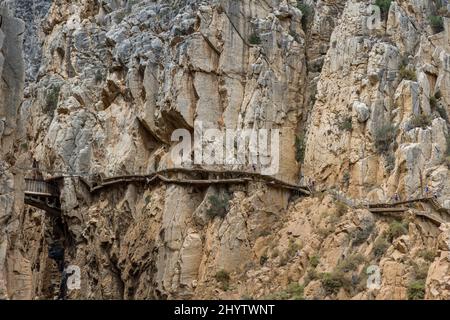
{"x":384,"y":136}
{"x":218,"y":205}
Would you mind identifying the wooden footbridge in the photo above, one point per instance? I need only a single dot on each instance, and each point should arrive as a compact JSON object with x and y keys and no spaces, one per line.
{"x":45,"y":194}
{"x":438,"y":214}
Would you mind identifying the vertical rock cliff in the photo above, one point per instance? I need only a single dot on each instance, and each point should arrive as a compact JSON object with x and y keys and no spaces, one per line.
{"x":91,"y":91}
{"x":11,"y":95}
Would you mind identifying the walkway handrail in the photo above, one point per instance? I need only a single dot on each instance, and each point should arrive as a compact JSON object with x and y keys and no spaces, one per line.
{"x":243,"y":176}
{"x":41,"y":187}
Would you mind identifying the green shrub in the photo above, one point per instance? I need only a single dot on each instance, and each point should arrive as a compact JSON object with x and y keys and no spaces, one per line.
{"x":341,"y":208}
{"x":52,"y":99}
{"x":433,"y":102}
{"x":438,"y":94}
{"x":345,"y":124}
{"x":380,"y":246}
{"x":421,"y":121}
{"x":325,"y":232}
{"x":436,"y":23}
{"x":284,"y":260}
{"x":389,"y":161}
{"x":407,"y":73}
{"x":332,"y":282}
{"x":99,"y":77}
{"x":428,"y":255}
{"x":219,"y":205}
{"x":447,"y":152}
{"x":363,"y":234}
{"x":351,"y":263}
{"x":294,"y":291}
{"x":346,"y":178}
{"x":442,"y":113}
{"x":384,"y":136}
{"x":416,"y":290}
{"x":24,"y":146}
{"x":311,"y":275}
{"x":397,"y":229}
{"x":314,"y":261}
{"x":384,"y":6}
{"x":254,"y":39}
{"x":223,"y":277}
{"x":300,"y":147}
{"x":292,"y":249}
{"x":308,"y":13}
{"x":421,"y":271}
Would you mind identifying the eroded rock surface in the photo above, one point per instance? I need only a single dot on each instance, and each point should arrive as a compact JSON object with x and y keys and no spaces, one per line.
{"x":362,"y":111}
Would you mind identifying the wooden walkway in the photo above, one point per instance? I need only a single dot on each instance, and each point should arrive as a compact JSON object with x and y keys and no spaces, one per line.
{"x":45,"y":194}
{"x":208,"y":177}
{"x":442,"y":214}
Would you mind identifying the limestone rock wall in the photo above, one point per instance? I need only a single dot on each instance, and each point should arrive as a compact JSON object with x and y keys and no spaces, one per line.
{"x":108,"y":81}
{"x":11,"y":89}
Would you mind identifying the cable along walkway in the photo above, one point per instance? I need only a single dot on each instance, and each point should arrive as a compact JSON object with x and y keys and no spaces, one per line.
{"x":45,"y":193}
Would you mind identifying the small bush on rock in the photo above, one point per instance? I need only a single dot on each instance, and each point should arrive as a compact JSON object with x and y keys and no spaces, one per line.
{"x":436,"y":23}
{"x":380,"y":246}
{"x":223,"y":277}
{"x":416,"y":290}
{"x":254,"y":39}
{"x":219,"y":205}
{"x":384,"y":136}
{"x":397,"y":229}
{"x":421,"y":121}
{"x":384,"y":6}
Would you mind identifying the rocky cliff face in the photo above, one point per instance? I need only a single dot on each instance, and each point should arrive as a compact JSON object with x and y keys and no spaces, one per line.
{"x":361,"y":101}
{"x":11,"y":94}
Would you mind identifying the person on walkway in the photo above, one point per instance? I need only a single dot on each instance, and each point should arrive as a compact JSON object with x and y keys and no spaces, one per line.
{"x":427,"y":190}
{"x":396,"y":197}
{"x":302,"y":178}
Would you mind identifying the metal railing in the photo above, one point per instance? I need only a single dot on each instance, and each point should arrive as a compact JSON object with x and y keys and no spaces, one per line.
{"x":41,"y":187}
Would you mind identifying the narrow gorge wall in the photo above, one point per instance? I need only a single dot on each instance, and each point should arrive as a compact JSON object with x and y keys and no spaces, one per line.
{"x":11,"y":93}
{"x":362,"y":109}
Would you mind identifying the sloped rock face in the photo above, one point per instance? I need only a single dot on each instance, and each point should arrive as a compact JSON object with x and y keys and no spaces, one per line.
{"x":363,"y":105}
